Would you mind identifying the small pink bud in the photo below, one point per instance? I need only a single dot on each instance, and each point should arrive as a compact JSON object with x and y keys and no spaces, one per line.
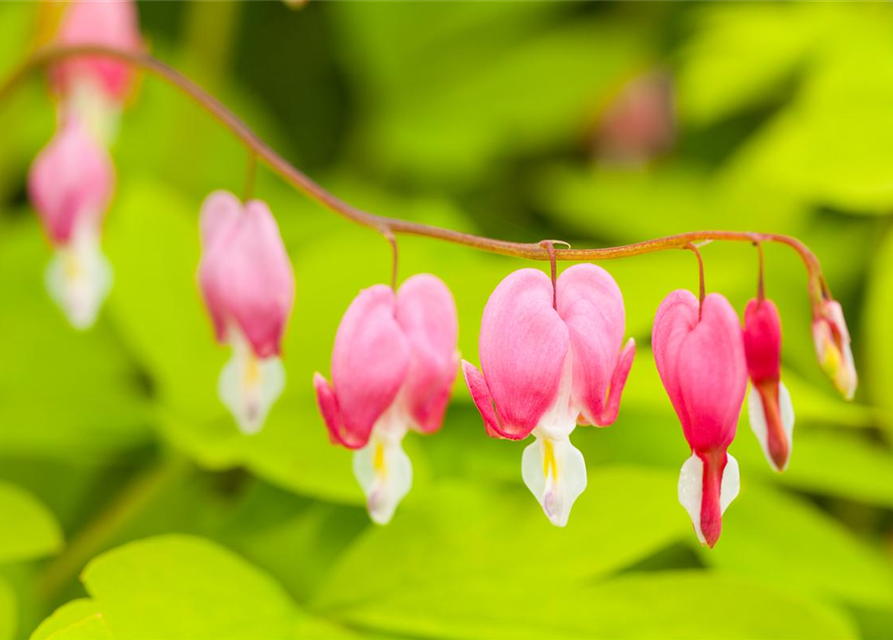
{"x":769,"y":404}
{"x":547,"y":369}
{"x":109,"y":23}
{"x":70,"y":184}
{"x":699,"y":354}
{"x":393,"y":368}
{"x":832,"y":347}
{"x":248,"y":285}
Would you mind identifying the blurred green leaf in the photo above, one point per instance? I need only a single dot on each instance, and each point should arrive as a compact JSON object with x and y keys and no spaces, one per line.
{"x":62,"y":391}
{"x":649,"y":605}
{"x":8,"y":612}
{"x":69,"y":620}
{"x":782,"y":541}
{"x":458,"y":534}
{"x":878,"y":369}
{"x":27,"y":529}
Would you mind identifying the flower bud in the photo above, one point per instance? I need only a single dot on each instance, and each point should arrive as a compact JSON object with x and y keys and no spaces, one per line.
{"x":832,"y":347}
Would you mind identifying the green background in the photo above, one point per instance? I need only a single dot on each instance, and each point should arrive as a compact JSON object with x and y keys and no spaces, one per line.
{"x":128,"y":495}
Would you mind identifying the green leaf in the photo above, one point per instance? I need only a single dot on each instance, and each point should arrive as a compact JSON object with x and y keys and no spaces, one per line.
{"x":27,"y":529}
{"x":64,"y":392}
{"x":878,"y":366}
{"x":650,"y":605}
{"x":458,"y":534}
{"x":69,"y":618}
{"x":185,"y":587}
{"x":780,"y":540}
{"x":8,"y":611}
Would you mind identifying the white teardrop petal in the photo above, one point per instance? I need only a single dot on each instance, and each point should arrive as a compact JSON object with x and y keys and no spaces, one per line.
{"x":756,"y":413}
{"x":249,"y":386}
{"x":555,"y":473}
{"x":786,"y":408}
{"x":691,"y":488}
{"x":731,"y":483}
{"x":384,"y":472}
{"x":79,"y":278}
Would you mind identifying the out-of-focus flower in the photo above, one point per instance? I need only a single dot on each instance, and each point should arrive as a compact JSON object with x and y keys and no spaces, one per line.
{"x":547,"y":369}
{"x":393,"y":367}
{"x":832,"y":347}
{"x":699,"y":353}
{"x":70,"y":184}
{"x":639,"y":124}
{"x":248,"y":286}
{"x":769,"y":404}
{"x":94,"y":86}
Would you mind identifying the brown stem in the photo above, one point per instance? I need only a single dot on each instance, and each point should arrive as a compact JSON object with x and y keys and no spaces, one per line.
{"x":702,"y":289}
{"x":549,"y":246}
{"x":392,"y":239}
{"x":534,"y":251}
{"x":761,"y":288}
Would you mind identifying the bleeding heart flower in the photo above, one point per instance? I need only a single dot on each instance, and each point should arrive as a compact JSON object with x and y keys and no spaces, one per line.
{"x":832,"y":347}
{"x":699,"y":352}
{"x":547,"y":369}
{"x":70,"y":184}
{"x":769,"y":403}
{"x":94,"y":86}
{"x":393,"y":367}
{"x":248,"y":286}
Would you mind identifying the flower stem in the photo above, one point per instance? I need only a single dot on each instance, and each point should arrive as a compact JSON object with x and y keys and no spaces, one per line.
{"x":534,"y":251}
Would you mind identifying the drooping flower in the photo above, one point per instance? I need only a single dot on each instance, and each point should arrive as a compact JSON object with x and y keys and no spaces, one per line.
{"x":769,"y":403}
{"x":832,"y":347}
{"x":248,"y":286}
{"x":95,"y":86}
{"x":393,"y":367}
{"x":70,"y":184}
{"x":699,"y":352}
{"x":546,"y":369}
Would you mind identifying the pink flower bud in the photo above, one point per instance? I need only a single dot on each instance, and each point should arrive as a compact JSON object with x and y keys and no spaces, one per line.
{"x":393,"y":368}
{"x":832,"y":347}
{"x":109,"y":23}
{"x":769,"y":403}
{"x":699,"y":354}
{"x":545,"y":369}
{"x":248,"y":286}
{"x":70,"y":184}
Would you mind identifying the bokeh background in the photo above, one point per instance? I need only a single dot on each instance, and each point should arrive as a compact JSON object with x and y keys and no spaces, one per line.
{"x":594,"y":123}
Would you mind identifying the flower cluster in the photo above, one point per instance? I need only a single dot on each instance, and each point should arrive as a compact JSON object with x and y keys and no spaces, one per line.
{"x":72,"y":179}
{"x":553,"y":354}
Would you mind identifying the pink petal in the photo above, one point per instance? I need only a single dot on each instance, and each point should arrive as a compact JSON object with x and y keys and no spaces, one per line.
{"x":71,"y":181}
{"x":220,"y":212}
{"x":762,"y":340}
{"x":328,"y":407}
{"x":370,"y":362}
{"x":591,"y":305}
{"x":245,"y":274}
{"x":676,"y":317}
{"x":523,"y":345}
{"x":427,"y":314}
{"x":701,"y":363}
{"x":110,"y":23}
{"x":618,"y":381}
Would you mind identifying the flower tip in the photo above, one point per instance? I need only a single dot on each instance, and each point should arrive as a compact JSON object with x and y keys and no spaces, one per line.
{"x":833,"y":349}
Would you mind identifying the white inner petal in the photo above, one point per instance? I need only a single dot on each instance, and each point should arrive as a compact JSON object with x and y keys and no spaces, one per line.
{"x":100,"y":113}
{"x":691,"y":487}
{"x":757,"y":416}
{"x":79,"y":277}
{"x":249,"y":385}
{"x":384,"y":471}
{"x":555,"y":473}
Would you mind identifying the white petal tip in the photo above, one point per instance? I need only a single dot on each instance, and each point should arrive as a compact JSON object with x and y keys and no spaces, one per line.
{"x":78,"y":279}
{"x":776,"y":446}
{"x":384,"y":472}
{"x":555,"y":473}
{"x":691,"y":488}
{"x":249,"y":387}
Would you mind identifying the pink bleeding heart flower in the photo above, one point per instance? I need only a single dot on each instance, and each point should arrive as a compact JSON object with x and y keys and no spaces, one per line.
{"x":769,"y":403}
{"x":248,"y":285}
{"x":393,"y":367}
{"x":832,"y":347}
{"x":70,"y":184}
{"x":95,"y":86}
{"x":699,"y":352}
{"x":546,"y":369}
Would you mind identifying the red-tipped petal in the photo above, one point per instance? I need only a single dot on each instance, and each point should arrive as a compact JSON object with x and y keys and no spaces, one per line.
{"x":618,"y":381}
{"x":480,"y":394}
